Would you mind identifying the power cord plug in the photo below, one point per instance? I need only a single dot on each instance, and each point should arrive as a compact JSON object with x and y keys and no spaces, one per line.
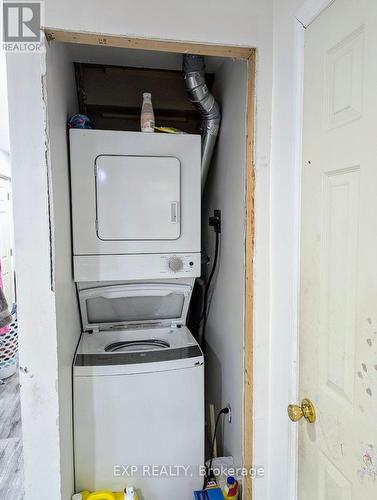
{"x":215,"y":221}
{"x":224,"y":411}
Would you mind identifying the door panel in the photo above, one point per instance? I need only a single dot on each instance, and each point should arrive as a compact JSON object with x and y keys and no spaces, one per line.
{"x":338,"y":290}
{"x":5,"y":240}
{"x":338,"y":282}
{"x":138,"y":197}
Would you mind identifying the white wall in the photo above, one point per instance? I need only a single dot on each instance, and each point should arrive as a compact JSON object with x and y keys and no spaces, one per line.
{"x":225,"y":190}
{"x":285,"y":201}
{"x":48,"y":316}
{"x":36,"y":298}
{"x":240,"y":22}
{"x":61,"y":98}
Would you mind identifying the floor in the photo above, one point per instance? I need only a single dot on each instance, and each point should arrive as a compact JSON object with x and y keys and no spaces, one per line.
{"x":11,"y":467}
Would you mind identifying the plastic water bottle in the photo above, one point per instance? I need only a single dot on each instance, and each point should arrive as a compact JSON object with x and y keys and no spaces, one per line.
{"x":147,"y":115}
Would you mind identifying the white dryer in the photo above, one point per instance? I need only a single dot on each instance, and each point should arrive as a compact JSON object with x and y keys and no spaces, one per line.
{"x":138,"y":391}
{"x":136,"y":202}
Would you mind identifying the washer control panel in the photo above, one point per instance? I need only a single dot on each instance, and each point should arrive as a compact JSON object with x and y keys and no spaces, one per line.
{"x":181,"y":264}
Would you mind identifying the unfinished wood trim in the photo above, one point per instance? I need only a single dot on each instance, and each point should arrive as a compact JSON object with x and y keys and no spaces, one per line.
{"x":249,"y":280}
{"x":126,"y":42}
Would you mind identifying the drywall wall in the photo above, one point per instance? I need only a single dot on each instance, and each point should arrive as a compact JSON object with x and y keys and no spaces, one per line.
{"x":62,"y":103}
{"x":285,"y":202}
{"x":239,"y":22}
{"x":225,"y":190}
{"x":36,"y":298}
{"x":47,"y":308}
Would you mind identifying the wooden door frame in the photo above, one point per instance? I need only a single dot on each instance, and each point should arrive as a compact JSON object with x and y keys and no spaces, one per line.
{"x":247,"y":54}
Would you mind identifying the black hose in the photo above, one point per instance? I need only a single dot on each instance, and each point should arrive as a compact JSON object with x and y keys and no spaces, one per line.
{"x":204,"y":314}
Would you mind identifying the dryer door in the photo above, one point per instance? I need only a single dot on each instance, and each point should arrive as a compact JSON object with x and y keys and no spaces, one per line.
{"x":138,"y":197}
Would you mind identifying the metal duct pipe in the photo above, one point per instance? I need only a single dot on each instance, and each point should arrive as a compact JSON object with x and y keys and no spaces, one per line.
{"x":200,"y":96}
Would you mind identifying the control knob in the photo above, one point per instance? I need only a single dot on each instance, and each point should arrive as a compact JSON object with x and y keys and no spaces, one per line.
{"x":175,"y":264}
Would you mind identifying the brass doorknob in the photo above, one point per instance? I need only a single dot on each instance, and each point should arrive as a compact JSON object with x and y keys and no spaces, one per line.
{"x":306,"y":410}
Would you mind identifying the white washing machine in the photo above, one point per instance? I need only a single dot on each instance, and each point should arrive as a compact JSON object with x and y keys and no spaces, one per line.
{"x":138,"y":392}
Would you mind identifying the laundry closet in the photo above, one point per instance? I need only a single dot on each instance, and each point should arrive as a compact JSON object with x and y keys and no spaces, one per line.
{"x":133,"y":276}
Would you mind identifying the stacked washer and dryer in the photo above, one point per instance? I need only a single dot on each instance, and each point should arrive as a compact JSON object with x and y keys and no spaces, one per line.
{"x":138,"y":371}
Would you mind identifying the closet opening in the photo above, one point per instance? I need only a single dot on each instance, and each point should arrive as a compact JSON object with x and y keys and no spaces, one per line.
{"x":106,"y":82}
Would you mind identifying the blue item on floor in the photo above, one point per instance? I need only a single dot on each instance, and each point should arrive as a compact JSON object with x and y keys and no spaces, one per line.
{"x":212,"y":494}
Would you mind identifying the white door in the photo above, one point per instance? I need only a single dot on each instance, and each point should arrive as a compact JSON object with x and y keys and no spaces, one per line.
{"x":338,"y":291}
{"x":6,"y":240}
{"x":138,"y":197}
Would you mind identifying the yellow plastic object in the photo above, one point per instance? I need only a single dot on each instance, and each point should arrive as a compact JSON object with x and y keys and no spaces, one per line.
{"x":169,"y":130}
{"x":102,"y":495}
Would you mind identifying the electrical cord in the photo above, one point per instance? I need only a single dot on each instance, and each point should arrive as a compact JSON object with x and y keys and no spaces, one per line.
{"x":209,"y":473}
{"x":203,"y":316}
{"x":215,"y":222}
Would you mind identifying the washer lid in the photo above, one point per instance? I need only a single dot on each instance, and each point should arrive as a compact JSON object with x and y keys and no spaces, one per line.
{"x":103,"y":308}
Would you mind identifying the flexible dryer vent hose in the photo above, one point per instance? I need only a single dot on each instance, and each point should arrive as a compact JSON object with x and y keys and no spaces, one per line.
{"x":200,"y":96}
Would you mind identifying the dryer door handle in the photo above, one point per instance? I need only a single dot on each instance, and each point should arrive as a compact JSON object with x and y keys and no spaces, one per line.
{"x":174,"y":212}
